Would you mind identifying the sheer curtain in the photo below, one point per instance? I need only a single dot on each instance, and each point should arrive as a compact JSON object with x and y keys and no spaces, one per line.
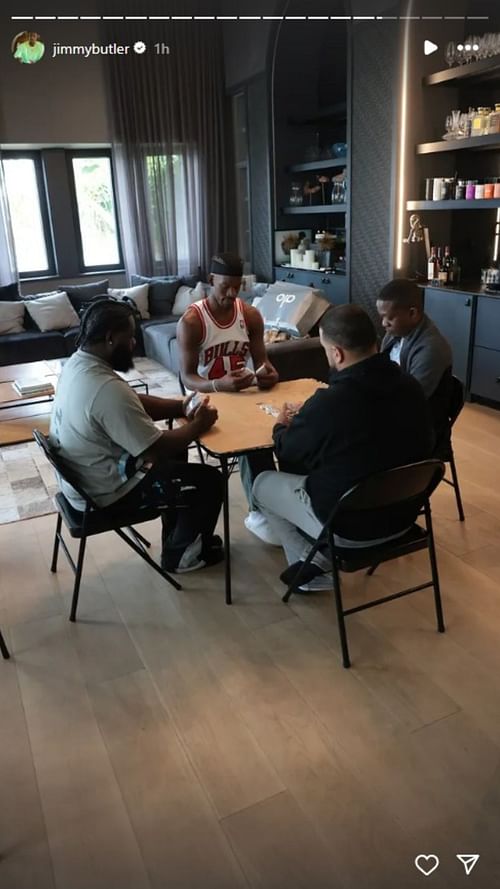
{"x":8,"y":265}
{"x":168,"y":114}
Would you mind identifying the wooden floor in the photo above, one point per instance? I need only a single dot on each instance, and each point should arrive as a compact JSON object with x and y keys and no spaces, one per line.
{"x":169,"y":741}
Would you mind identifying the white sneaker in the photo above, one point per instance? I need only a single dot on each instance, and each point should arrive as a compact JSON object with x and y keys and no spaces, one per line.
{"x":257,"y":524}
{"x":324,"y":582}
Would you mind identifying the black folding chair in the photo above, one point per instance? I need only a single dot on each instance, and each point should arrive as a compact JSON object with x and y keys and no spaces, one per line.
{"x":3,"y":647}
{"x":444,"y":447}
{"x":93,"y":520}
{"x":406,"y":489}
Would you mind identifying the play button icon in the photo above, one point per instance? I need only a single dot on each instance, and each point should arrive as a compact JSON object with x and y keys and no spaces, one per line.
{"x":430,"y":47}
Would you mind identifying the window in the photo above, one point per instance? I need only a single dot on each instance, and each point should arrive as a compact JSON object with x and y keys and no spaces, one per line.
{"x":96,"y":212}
{"x":168,"y":206}
{"x":29,"y":215}
{"x":63,"y":211}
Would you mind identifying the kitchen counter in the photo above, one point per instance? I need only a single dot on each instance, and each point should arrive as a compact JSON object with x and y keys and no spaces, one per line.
{"x":470,"y":287}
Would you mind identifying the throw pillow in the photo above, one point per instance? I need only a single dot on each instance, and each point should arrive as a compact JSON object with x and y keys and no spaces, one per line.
{"x":247,"y":282}
{"x":52,"y":312}
{"x":187,"y":295}
{"x":256,"y":291}
{"x":138,"y":294}
{"x":162,"y":292}
{"x":11,"y":316}
{"x":190,"y":280}
{"x":81,"y":294}
{"x":10,"y":292}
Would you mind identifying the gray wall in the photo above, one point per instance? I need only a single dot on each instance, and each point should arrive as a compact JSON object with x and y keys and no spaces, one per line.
{"x":57,"y":101}
{"x":247,"y":67}
{"x":374,"y":60}
{"x":245,"y":50}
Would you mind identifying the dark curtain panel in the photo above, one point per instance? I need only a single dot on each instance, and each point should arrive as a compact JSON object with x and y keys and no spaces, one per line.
{"x":170,"y":130}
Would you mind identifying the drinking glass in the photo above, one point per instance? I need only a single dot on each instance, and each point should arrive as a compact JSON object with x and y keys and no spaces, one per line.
{"x":462,"y":126}
{"x":450,"y":54}
{"x":486,"y":50}
{"x":455,"y":122}
{"x":481,"y":49}
{"x":468,"y":50}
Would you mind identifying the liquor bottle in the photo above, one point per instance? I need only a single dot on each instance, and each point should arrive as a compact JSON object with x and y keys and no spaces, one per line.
{"x":448,"y":265}
{"x":432,"y":266}
{"x":442,"y":275}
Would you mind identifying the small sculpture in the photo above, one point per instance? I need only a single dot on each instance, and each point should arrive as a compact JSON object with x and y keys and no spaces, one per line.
{"x":416,"y":233}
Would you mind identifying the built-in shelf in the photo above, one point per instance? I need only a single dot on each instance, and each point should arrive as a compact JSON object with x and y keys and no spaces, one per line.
{"x":475,"y":143}
{"x":318,"y":165}
{"x":316,"y":208}
{"x":476,"y":72}
{"x":480,"y":204}
{"x":336,"y":112}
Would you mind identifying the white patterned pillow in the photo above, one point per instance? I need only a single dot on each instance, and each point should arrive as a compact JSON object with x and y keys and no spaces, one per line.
{"x":187,"y":295}
{"x":52,"y":312}
{"x":139,"y":295}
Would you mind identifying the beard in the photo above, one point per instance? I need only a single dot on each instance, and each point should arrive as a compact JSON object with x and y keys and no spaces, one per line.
{"x":122,"y":359}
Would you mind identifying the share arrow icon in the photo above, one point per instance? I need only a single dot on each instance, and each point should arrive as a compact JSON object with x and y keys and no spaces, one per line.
{"x":469,"y":862}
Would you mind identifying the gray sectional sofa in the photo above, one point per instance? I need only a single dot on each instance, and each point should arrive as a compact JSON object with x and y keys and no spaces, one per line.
{"x":156,"y":336}
{"x":34,"y":345}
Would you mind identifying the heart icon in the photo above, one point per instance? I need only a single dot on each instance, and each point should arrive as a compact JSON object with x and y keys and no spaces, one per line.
{"x":426,"y":864}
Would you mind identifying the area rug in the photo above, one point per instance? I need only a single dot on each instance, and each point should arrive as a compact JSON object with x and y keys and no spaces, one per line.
{"x":27,"y":481}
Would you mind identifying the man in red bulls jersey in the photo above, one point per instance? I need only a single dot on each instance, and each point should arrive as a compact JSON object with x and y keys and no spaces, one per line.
{"x":221,"y":349}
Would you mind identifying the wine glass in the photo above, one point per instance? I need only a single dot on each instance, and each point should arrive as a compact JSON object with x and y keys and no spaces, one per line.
{"x":483,"y":47}
{"x":468,"y":50}
{"x":455,"y":122}
{"x":476,"y":46}
{"x":462,"y":126}
{"x":450,"y":54}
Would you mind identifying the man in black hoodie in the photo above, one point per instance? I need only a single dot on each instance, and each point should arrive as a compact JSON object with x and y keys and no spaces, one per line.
{"x":372,"y":417}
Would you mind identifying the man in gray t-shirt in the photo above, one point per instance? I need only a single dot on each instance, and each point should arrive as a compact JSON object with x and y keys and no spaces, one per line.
{"x":106,"y":434}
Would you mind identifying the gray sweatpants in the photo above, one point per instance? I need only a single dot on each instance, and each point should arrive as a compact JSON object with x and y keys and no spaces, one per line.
{"x":283,"y":499}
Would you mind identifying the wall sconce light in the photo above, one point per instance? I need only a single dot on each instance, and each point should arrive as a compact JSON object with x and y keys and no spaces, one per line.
{"x":403,"y":128}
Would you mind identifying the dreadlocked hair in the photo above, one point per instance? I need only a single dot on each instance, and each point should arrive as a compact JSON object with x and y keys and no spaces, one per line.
{"x":101,"y":317}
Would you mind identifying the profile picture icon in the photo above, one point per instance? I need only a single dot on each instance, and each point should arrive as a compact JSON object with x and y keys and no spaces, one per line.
{"x":27,"y":47}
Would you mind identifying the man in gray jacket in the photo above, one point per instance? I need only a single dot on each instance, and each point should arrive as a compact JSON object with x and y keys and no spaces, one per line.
{"x":414,"y":342}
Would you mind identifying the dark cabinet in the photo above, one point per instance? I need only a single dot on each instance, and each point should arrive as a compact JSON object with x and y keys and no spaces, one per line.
{"x":488,"y":322}
{"x":333,"y":286}
{"x":485,"y":379}
{"x":452,"y":313}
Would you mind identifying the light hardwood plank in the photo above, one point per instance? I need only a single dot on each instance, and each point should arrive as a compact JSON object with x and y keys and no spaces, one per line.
{"x":319,"y":777}
{"x":176,"y":828}
{"x":24,"y":851}
{"x":216,"y":738}
{"x":278,"y":847}
{"x":89,"y":833}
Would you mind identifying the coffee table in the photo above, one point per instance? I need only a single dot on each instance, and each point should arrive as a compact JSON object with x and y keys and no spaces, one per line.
{"x":19,"y":415}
